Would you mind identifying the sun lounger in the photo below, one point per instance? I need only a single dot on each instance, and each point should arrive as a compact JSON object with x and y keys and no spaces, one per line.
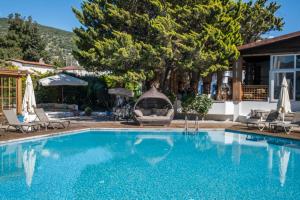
{"x":43,"y":118}
{"x":260,"y":124}
{"x":287,"y":127}
{"x":13,"y":121}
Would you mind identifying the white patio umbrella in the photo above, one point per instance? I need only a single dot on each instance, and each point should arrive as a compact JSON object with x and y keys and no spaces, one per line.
{"x":284,"y":104}
{"x":29,"y":158}
{"x":29,"y":98}
{"x":284,"y":156}
{"x":62,"y":80}
{"x":270,"y":157}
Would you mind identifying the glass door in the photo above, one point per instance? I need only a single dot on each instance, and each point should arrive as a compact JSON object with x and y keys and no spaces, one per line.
{"x":8,"y":93}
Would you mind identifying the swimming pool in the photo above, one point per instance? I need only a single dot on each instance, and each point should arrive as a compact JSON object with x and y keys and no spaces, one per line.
{"x":151,"y":165}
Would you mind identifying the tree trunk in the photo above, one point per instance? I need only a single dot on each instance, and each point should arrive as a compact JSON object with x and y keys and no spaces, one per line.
{"x":219,"y":85}
{"x":165,"y":80}
{"x":195,"y":81}
{"x":174,"y":82}
{"x":206,"y":84}
{"x":155,"y":81}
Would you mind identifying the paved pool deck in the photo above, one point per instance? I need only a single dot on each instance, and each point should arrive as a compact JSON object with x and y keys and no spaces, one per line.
{"x":177,"y":124}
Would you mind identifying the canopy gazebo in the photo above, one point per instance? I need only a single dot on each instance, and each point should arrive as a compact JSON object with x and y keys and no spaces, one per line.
{"x":153,"y":108}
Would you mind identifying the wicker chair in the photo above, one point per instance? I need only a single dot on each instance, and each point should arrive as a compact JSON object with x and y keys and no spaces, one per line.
{"x":153,"y":108}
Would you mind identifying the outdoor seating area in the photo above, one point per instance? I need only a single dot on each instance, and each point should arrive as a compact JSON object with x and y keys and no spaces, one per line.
{"x":276,"y":119}
{"x":42,"y":122}
{"x":14,"y":122}
{"x":257,"y":120}
{"x":153,"y":108}
{"x":32,"y":118}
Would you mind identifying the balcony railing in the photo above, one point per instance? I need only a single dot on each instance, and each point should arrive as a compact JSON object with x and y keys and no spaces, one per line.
{"x":255,"y":92}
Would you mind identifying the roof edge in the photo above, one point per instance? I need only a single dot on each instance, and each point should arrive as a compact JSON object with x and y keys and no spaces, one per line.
{"x":269,"y":41}
{"x":31,"y":63}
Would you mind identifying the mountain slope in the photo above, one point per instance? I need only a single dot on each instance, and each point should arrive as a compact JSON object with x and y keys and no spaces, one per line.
{"x":59,"y":42}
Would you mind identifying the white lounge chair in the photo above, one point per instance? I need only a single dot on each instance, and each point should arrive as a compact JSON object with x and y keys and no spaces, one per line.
{"x":13,"y":121}
{"x":40,"y":113}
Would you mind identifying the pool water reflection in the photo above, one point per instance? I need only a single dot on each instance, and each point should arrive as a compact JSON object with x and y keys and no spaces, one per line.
{"x":151,"y":165}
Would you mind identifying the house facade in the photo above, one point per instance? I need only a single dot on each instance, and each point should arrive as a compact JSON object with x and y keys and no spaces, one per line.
{"x":32,"y":67}
{"x":257,"y":76}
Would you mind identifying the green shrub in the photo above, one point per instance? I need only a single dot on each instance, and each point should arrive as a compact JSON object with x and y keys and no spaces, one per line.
{"x":88,"y":111}
{"x":186,"y":103}
{"x":130,"y":80}
{"x":172,"y":97}
{"x":201,"y":104}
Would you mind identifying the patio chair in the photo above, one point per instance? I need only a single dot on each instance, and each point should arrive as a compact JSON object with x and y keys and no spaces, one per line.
{"x":43,"y":118}
{"x":13,"y":121}
{"x":288,"y":126}
{"x":261,"y":125}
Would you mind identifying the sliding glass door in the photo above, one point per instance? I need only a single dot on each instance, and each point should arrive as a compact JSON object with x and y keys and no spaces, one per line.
{"x":288,"y":66}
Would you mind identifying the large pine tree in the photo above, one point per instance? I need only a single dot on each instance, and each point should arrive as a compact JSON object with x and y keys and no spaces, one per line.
{"x":259,"y":17}
{"x":157,"y":35}
{"x":195,"y":37}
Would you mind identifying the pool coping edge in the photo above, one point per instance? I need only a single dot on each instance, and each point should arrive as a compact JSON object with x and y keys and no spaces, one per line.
{"x":77,"y":131}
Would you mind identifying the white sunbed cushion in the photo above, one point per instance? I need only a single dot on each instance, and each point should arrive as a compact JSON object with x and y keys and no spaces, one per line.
{"x":138,"y":113}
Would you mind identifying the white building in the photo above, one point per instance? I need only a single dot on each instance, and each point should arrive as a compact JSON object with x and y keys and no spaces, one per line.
{"x":30,"y":66}
{"x":79,"y":71}
{"x":257,"y":77}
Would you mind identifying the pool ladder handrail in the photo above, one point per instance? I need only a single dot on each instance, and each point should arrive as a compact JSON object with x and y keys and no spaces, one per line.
{"x":186,"y":127}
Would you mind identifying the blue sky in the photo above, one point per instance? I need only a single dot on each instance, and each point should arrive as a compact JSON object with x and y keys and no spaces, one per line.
{"x":57,"y":13}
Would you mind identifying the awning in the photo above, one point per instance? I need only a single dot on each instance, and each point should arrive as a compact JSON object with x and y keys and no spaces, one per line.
{"x":62,"y":80}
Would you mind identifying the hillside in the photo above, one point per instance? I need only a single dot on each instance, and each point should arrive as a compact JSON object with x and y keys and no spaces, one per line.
{"x":59,"y":42}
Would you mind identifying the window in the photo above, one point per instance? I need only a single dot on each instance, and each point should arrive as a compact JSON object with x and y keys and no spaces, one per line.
{"x":298,"y":86}
{"x":283,"y":62}
{"x":298,"y":61}
{"x":278,"y":81}
{"x":8,"y":96}
{"x":289,"y":66}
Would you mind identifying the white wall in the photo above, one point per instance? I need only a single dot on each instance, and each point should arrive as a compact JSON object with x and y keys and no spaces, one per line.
{"x":247,"y":106}
{"x":33,"y":68}
{"x":242,"y":109}
{"x":81,"y":72}
{"x":222,"y":108}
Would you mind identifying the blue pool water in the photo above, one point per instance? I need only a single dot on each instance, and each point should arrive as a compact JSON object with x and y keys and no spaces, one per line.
{"x":151,"y":165}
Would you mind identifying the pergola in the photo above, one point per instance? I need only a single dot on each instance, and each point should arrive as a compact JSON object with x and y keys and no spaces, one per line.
{"x":11,"y":89}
